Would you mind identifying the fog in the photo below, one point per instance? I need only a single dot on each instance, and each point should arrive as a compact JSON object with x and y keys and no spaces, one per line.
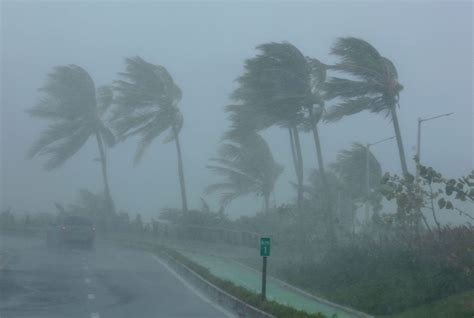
{"x":203,"y":46}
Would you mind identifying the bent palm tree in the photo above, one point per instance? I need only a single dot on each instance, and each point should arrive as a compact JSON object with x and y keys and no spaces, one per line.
{"x":74,"y":109}
{"x":247,"y":166}
{"x":373,"y":85}
{"x":274,"y":90}
{"x":147,"y":105}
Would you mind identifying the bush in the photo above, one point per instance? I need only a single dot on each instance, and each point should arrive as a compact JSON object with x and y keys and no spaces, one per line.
{"x":389,"y":278}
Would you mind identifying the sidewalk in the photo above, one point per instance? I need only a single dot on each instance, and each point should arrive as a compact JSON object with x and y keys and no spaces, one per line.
{"x":229,"y":269}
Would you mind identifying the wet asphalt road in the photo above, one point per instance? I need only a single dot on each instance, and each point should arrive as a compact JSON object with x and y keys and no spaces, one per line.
{"x":105,"y":282}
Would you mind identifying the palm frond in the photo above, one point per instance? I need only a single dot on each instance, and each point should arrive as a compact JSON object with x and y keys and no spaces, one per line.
{"x":348,"y":107}
{"x":148,"y":133}
{"x":69,"y":103}
{"x":246,"y":166}
{"x":358,"y":58}
{"x":146,"y":103}
{"x":105,"y":98}
{"x":61,"y":151}
{"x":351,"y":167}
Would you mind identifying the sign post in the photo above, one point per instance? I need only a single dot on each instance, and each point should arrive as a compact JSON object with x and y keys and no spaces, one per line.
{"x":264,"y":252}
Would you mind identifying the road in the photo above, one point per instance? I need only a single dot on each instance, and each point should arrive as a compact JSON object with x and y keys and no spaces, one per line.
{"x":105,"y":282}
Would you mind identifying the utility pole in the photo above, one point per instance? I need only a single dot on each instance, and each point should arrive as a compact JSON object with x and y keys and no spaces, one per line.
{"x":418,"y":141}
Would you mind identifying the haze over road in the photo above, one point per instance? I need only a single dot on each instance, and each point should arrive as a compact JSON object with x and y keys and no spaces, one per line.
{"x":105,"y":282}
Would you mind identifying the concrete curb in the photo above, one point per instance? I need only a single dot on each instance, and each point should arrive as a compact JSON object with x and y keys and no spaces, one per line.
{"x":224,"y":299}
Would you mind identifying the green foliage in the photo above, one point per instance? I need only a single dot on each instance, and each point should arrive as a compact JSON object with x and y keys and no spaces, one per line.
{"x":459,"y":306}
{"x":146,"y":104}
{"x":387,"y":277}
{"x":71,"y":107}
{"x":247,"y":166}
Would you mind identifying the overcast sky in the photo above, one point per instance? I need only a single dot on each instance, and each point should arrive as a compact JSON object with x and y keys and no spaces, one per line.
{"x":204,"y":45}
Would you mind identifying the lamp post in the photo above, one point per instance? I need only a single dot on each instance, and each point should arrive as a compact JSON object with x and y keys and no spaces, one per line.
{"x":367,"y":172}
{"x":418,"y":141}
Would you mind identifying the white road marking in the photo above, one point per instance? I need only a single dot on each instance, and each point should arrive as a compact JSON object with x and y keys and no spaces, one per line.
{"x":88,"y":280}
{"x":95,"y":315}
{"x":91,"y":296}
{"x":192,"y":288}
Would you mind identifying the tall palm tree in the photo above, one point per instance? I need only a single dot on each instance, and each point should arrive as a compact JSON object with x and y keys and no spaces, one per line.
{"x":74,"y":109}
{"x":247,"y":166}
{"x":318,"y":72}
{"x":372,"y":85}
{"x":147,"y":105}
{"x":274,"y":91}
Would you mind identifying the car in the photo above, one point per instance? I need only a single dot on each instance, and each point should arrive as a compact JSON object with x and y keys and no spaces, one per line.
{"x":69,"y":230}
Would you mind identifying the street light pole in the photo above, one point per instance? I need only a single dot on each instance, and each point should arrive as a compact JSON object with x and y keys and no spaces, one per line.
{"x":418,"y":142}
{"x":367,"y":172}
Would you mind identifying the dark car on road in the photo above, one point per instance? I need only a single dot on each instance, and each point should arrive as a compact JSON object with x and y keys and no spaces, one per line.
{"x":71,"y":230}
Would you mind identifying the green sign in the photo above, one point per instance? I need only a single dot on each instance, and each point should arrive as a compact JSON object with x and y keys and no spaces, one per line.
{"x":264,"y":246}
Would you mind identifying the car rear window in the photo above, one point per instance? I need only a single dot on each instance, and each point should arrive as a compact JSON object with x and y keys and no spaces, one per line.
{"x":74,"y":220}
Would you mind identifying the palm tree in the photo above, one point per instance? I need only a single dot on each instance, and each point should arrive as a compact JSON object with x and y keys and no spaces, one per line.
{"x":373,"y":85}
{"x":316,"y":110}
{"x":74,"y":109}
{"x":147,"y":105}
{"x":274,"y":91}
{"x":247,"y":166}
{"x":330,"y":188}
{"x":351,"y":168}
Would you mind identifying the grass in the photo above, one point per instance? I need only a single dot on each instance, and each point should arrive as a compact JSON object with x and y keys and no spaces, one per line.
{"x":457,"y":306}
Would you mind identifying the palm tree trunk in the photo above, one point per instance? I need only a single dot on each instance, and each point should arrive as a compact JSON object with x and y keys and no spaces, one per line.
{"x":293,"y":151}
{"x":401,"y":150}
{"x":266,"y":203}
{"x":180,"y":170}
{"x":299,"y":174}
{"x":327,"y":205}
{"x":103,"y":162}
{"x":317,"y":144}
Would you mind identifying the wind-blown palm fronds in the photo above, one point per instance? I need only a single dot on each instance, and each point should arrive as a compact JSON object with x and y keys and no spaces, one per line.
{"x":275,"y":90}
{"x":147,"y":106}
{"x":351,"y":167}
{"x":74,"y":109}
{"x":372,"y":85}
{"x":247,"y":167}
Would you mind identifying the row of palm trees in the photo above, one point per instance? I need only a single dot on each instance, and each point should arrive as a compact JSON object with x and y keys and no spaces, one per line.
{"x":280,"y":87}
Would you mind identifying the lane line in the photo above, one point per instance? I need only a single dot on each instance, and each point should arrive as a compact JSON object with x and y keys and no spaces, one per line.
{"x":88,"y":280}
{"x":85,"y":267}
{"x":90,"y":296}
{"x":192,"y":288}
{"x":95,"y":315}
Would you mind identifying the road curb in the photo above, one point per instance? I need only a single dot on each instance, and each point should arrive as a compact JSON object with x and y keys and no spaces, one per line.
{"x":221,"y":297}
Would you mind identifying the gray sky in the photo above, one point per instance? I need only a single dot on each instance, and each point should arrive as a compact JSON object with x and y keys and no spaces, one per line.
{"x":204,"y":45}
